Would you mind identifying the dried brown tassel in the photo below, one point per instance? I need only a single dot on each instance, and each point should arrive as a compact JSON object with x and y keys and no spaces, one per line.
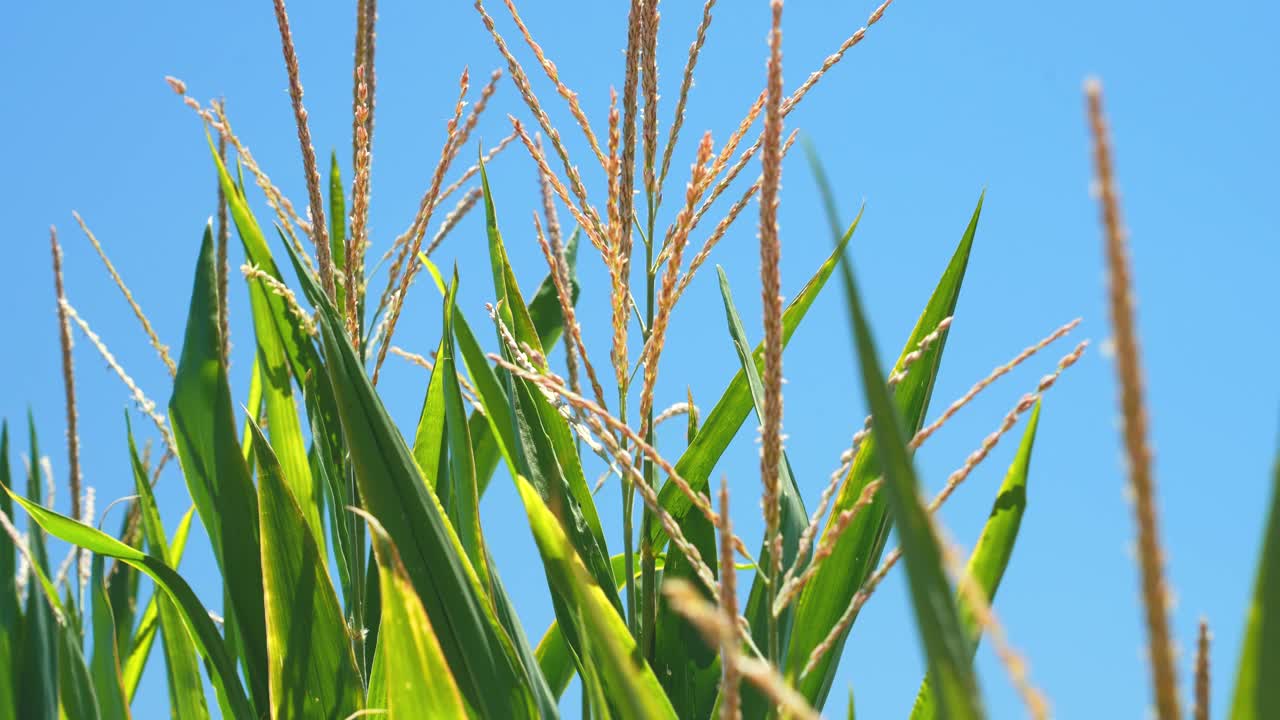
{"x":319,"y":228}
{"x":68,"y":376}
{"x":700,"y":38}
{"x":1201,"y":710}
{"x":771,"y":281}
{"x":729,"y":674}
{"x":1133,"y":413}
{"x":650,"y":87}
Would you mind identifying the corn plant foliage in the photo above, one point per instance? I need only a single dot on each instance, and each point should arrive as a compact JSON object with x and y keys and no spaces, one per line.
{"x":991,"y":555}
{"x":210,"y":455}
{"x":10,"y":614}
{"x":792,"y":516}
{"x":937,"y":614}
{"x":484,"y":662}
{"x":635,"y":692}
{"x":417,"y":674}
{"x":855,"y":557}
{"x":313,"y":670}
{"x":1256,"y":692}
{"x":356,"y":575}
{"x":186,"y":690}
{"x":194,"y":615}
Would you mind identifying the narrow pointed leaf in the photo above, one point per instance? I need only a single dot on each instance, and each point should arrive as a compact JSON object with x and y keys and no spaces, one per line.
{"x":182,"y":667}
{"x":1257,"y":695}
{"x":194,"y":614}
{"x":313,"y":671}
{"x":75,"y":683}
{"x":149,"y":624}
{"x":393,"y":491}
{"x":36,"y":679}
{"x":105,"y":665}
{"x":991,"y":555}
{"x":792,"y":516}
{"x":10,"y":616}
{"x":545,"y":451}
{"x":937,"y":614}
{"x":635,"y":692}
{"x":418,"y":677}
{"x":216,"y":474}
{"x":858,"y":552}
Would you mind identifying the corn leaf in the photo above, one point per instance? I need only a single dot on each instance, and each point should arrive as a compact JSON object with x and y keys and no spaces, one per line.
{"x":196,"y":617}
{"x":393,"y":491}
{"x":418,"y":676}
{"x":337,"y":224}
{"x":792,"y":515}
{"x":216,"y":474}
{"x":1256,"y":693}
{"x":186,"y":689}
{"x":10,"y":616}
{"x":634,"y":691}
{"x":313,"y":670}
{"x":553,"y":653}
{"x":937,"y":615}
{"x":75,"y":683}
{"x":36,"y":679}
{"x":856,"y":555}
{"x":144,"y":637}
{"x":105,"y":664}
{"x":991,"y":555}
{"x":545,"y":452}
{"x":459,"y":495}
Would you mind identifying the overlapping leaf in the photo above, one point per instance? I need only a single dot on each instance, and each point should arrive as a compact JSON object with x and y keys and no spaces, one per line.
{"x":858,"y":551}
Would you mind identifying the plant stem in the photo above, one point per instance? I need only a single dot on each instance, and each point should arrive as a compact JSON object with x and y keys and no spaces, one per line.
{"x":648,"y":572}
{"x":628,"y":542}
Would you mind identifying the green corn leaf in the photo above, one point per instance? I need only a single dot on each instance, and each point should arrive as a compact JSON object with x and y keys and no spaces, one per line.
{"x":393,"y":491}
{"x":337,"y":224}
{"x":991,"y":555}
{"x":1256,"y":693}
{"x":792,"y":515}
{"x":634,"y":691}
{"x":144,"y":637}
{"x":429,"y":440}
{"x":123,"y":585}
{"x":274,"y":326}
{"x":216,"y":474}
{"x":491,"y":436}
{"x":105,"y":665}
{"x":824,"y":599}
{"x":196,"y":617}
{"x":253,"y":408}
{"x":941,"y":630}
{"x":545,"y":452}
{"x":10,"y":615}
{"x":313,"y":670}
{"x":186,"y":689}
{"x":283,"y":342}
{"x":731,"y":410}
{"x":75,"y":682}
{"x":36,"y":679}
{"x":418,"y":675}
{"x":461,"y":497}
{"x":553,"y":653}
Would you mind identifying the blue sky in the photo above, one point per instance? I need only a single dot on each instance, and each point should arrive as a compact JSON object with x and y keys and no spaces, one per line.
{"x":941,"y":101}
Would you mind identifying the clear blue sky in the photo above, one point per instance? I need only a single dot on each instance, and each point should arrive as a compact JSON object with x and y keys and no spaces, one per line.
{"x":940,"y":101}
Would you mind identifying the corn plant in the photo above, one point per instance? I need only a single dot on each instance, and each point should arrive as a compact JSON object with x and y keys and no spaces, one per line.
{"x":355,"y":570}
